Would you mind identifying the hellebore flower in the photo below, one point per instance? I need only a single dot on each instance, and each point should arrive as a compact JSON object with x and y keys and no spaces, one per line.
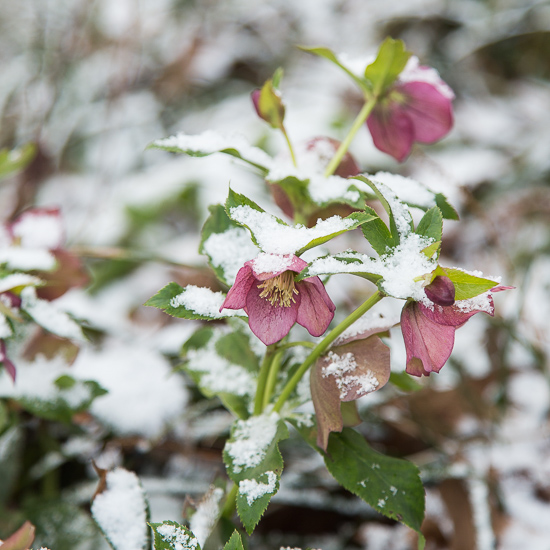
{"x":417,"y":107}
{"x":429,"y":332}
{"x":265,"y":288}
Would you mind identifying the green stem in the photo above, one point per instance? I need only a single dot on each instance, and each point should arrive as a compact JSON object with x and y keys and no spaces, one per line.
{"x":272,"y":377}
{"x":323,"y":345}
{"x":262,"y":379}
{"x":230,"y":502}
{"x":303,"y":343}
{"x":344,"y":146}
{"x":290,"y":148}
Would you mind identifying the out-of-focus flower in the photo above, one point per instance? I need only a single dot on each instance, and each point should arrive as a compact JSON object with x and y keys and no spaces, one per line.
{"x":429,"y":332}
{"x":416,"y":107}
{"x":265,"y":288}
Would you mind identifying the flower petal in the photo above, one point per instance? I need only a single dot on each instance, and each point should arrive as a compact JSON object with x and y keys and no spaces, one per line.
{"x":428,"y":344}
{"x":316,"y":308}
{"x":441,"y":291}
{"x":430,"y":112}
{"x":8,"y":365}
{"x":269,"y":322}
{"x":266,"y":266}
{"x":392,"y":130}
{"x":236,"y":297}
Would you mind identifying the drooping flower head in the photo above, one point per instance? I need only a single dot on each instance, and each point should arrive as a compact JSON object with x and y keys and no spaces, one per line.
{"x":265,"y":288}
{"x":429,"y":330}
{"x":416,"y":107}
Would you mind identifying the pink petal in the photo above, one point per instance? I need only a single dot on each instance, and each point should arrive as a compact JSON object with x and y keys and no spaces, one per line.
{"x":392,"y":130}
{"x":268,"y":322}
{"x":441,"y":291}
{"x":236,"y":297}
{"x":8,"y":365}
{"x":255,"y":96}
{"x":316,"y":308}
{"x":39,"y":228}
{"x":452,"y":316}
{"x":428,"y":344}
{"x":429,"y":111}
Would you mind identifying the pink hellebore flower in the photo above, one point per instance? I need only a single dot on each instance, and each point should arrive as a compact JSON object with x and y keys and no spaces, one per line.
{"x":417,"y":107}
{"x":429,"y":333}
{"x":265,"y":288}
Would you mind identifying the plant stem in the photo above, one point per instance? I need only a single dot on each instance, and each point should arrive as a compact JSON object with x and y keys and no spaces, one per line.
{"x":272,"y":377}
{"x":344,"y":146}
{"x":290,"y":148}
{"x":303,"y":343}
{"x":230,"y":502}
{"x":323,"y":345}
{"x":262,"y":379}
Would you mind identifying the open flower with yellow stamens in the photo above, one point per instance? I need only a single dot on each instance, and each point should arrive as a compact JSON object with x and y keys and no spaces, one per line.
{"x":265,"y":288}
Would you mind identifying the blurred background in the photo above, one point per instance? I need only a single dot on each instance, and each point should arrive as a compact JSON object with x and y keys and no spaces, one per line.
{"x":92,"y":83}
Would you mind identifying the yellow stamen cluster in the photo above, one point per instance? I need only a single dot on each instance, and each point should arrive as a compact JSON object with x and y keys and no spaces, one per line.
{"x":280,"y":290}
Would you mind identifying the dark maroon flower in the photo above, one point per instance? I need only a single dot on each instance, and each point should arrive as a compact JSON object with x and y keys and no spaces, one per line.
{"x":417,"y":107}
{"x":429,"y":333}
{"x":265,"y":288}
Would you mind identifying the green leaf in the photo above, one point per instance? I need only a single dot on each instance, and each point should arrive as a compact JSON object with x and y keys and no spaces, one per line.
{"x":210,"y":142}
{"x":390,"y":485}
{"x":170,"y":535}
{"x":378,"y":234}
{"x":191,"y":302}
{"x":255,"y":464}
{"x":431,"y":224}
{"x":404,"y":382}
{"x":390,"y":61}
{"x":466,"y":285}
{"x":356,"y":218}
{"x":234,"y":543}
{"x":401,"y":222}
{"x":297,"y":191}
{"x":16,"y":159}
{"x":68,"y":400}
{"x":12,"y":443}
{"x":447,"y":210}
{"x":330,"y":55}
{"x":270,"y":105}
{"x":222,"y":364}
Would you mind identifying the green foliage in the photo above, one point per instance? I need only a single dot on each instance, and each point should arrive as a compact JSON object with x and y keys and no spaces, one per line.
{"x":234,"y":543}
{"x":431,"y":224}
{"x":390,"y":61}
{"x":404,"y":382}
{"x":16,"y":159}
{"x":467,"y":285}
{"x":170,"y":535}
{"x":378,"y":234}
{"x":254,"y":463}
{"x":390,"y":485}
{"x":11,"y":443}
{"x":270,"y":105}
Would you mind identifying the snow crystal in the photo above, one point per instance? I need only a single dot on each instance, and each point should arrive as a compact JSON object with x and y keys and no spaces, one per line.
{"x":39,"y":229}
{"x":213,"y":142}
{"x":400,"y":212}
{"x":381,"y":502}
{"x":120,"y":510}
{"x":27,"y":259}
{"x":401,"y":269}
{"x":253,"y":490}
{"x":5,"y":328}
{"x":217,"y":373}
{"x":407,"y":189}
{"x":176,"y":537}
{"x":230,"y":250}
{"x":271,"y":263}
{"x":414,"y":72}
{"x":276,"y":238}
{"x":250,"y":440}
{"x":48,"y":316}
{"x":203,"y":301}
{"x":341,"y":368}
{"x":483,"y":302}
{"x":206,"y":515}
{"x":14,"y":280}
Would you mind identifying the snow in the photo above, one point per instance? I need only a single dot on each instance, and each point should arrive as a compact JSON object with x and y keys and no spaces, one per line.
{"x":39,"y":229}
{"x":203,"y":301}
{"x":414,"y":72}
{"x":407,"y":189}
{"x":272,"y":263}
{"x":276,"y":238}
{"x":230,"y":250}
{"x":120,"y":510}
{"x":14,"y":280}
{"x":48,"y":316}
{"x":204,"y":519}
{"x":176,"y":537}
{"x":27,"y":259}
{"x":217,"y":373}
{"x":342,"y":368}
{"x":250,"y":440}
{"x":211,"y":141}
{"x":253,"y":489}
